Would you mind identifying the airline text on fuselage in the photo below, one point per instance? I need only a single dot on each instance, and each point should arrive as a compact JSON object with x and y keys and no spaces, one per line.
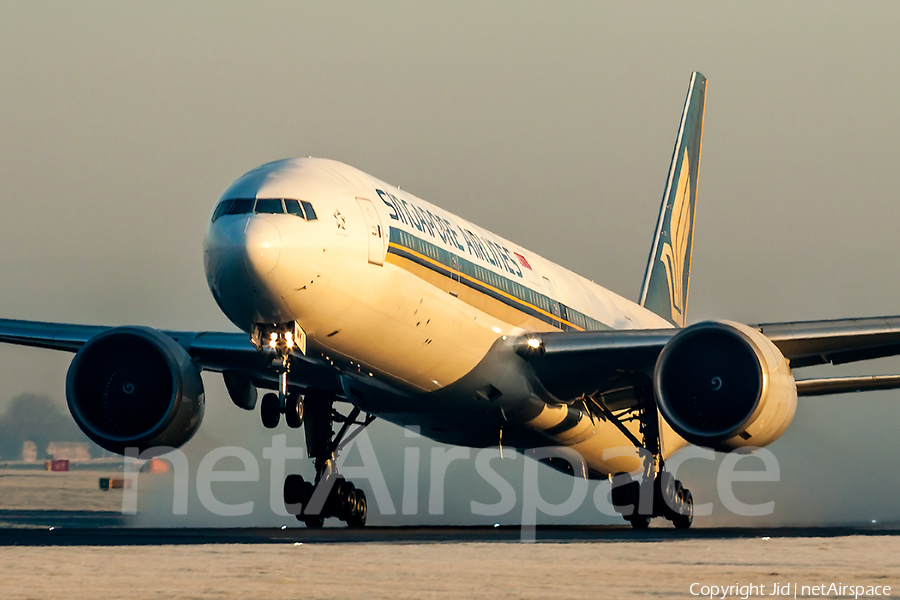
{"x":450,"y":233}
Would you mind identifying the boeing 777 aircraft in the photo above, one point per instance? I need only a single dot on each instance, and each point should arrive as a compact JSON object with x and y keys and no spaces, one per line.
{"x":353,"y":294}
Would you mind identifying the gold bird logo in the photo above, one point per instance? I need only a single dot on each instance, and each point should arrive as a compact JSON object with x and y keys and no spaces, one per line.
{"x":674,"y":251}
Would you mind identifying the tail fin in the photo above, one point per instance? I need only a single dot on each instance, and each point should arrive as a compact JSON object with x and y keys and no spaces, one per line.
{"x":666,"y":281}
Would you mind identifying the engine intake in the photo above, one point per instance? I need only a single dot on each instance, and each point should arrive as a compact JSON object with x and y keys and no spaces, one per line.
{"x":134,"y":387}
{"x":724,"y":385}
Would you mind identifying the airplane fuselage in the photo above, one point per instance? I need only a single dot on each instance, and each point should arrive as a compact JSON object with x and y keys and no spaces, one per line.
{"x":395,"y":289}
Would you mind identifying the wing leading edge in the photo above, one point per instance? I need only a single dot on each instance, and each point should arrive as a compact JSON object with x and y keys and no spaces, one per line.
{"x":54,"y":336}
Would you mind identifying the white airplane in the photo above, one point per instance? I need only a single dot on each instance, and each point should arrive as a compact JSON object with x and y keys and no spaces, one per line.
{"x":351,"y":291}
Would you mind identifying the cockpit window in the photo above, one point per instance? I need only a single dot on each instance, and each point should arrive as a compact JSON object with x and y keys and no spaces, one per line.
{"x":241,"y":206}
{"x":301,"y":208}
{"x":221,"y":209}
{"x":269,"y":206}
{"x":293,"y":207}
{"x":266,"y":206}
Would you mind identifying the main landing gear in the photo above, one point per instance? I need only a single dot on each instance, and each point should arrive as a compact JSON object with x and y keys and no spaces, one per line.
{"x":330,"y":495}
{"x":658,"y":494}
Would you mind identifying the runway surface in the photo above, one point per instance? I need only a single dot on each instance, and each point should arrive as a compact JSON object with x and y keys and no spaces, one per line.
{"x":87,"y":528}
{"x":412,"y":563}
{"x":92,"y":555}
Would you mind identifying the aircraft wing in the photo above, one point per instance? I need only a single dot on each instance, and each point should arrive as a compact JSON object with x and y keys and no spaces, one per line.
{"x":210,"y":351}
{"x":569,"y":364}
{"x":55,"y":336}
{"x":836,"y":342}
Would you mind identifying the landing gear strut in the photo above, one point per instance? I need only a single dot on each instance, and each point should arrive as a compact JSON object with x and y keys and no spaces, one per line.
{"x":659,"y":494}
{"x":331,"y":495}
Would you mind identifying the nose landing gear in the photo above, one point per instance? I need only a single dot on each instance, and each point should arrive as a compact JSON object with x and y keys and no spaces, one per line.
{"x":283,"y":339}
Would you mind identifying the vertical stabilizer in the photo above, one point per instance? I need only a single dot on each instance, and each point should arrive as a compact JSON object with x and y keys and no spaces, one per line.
{"x":666,"y":281}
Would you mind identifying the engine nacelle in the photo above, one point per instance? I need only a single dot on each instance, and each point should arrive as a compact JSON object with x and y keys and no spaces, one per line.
{"x":724,"y":385}
{"x":135,"y":387}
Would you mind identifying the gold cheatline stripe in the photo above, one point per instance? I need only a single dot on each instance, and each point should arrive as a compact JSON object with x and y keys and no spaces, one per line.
{"x":481,"y":283}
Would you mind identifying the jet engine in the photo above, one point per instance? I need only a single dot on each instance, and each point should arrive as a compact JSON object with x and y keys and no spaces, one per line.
{"x":135,"y":387}
{"x":724,"y":385}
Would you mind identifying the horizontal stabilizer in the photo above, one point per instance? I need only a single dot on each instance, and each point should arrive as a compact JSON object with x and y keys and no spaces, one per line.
{"x":845,"y":385}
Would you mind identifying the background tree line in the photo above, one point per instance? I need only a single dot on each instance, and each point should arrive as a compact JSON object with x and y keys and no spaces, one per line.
{"x":38,"y":418}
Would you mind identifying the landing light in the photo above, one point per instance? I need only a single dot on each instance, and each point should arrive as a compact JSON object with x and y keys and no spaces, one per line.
{"x":284,"y":337}
{"x":534,"y":343}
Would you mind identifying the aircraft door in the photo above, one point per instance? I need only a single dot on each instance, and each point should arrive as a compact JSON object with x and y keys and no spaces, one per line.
{"x":454,"y":276}
{"x":554,"y":303}
{"x":375,"y":232}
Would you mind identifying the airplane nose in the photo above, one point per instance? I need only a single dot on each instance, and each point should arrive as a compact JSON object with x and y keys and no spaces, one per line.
{"x":241,"y":258}
{"x":262,"y":243}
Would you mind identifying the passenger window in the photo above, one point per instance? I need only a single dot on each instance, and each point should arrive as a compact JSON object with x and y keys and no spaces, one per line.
{"x":241,"y":206}
{"x":310,"y":213}
{"x":269,"y":206}
{"x":221,"y":209}
{"x":293,"y":207}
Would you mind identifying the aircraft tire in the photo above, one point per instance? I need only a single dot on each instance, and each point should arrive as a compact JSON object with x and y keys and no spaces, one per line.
{"x":293,"y":494}
{"x":314,"y":522}
{"x":358,"y":510}
{"x":684,"y":520}
{"x":270,"y":411}
{"x":625,"y":494}
{"x":293,"y":411}
{"x":639,"y":521}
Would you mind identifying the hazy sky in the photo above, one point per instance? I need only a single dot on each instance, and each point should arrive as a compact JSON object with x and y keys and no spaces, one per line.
{"x":551,"y":124}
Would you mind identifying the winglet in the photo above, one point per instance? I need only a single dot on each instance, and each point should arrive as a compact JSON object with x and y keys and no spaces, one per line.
{"x":666,"y":280}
